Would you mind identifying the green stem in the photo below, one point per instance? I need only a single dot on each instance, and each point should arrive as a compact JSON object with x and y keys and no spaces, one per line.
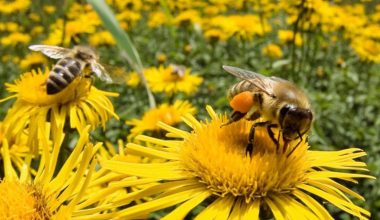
{"x":295,"y":31}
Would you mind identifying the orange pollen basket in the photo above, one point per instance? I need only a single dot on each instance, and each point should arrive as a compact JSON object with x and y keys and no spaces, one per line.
{"x":242,"y":102}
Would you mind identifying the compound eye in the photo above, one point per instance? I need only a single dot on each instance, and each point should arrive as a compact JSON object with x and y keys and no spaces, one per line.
{"x":283,"y":113}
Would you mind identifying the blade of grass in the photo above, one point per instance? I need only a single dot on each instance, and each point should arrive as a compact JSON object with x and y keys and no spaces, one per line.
{"x":169,"y":16}
{"x":123,"y":41}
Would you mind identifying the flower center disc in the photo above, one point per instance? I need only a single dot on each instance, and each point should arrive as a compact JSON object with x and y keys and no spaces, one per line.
{"x":22,"y":201}
{"x":217,"y":156}
{"x":31,"y":88}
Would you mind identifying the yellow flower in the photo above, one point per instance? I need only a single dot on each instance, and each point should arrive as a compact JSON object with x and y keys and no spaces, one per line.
{"x":79,"y":102}
{"x":166,"y":79}
{"x":214,"y":9}
{"x":243,"y":27}
{"x":169,"y":114}
{"x":85,"y":23}
{"x":9,"y":58}
{"x":272,"y":51}
{"x":216,"y":34}
{"x":49,"y":9}
{"x":187,"y":17}
{"x":210,"y":163}
{"x":128,"y":16}
{"x":246,"y":26}
{"x":17,"y":147}
{"x":133,"y":79}
{"x":9,"y":7}
{"x":286,"y":36}
{"x":102,"y":38}
{"x":15,"y":38}
{"x":371,"y":31}
{"x":219,"y":26}
{"x":367,"y":49}
{"x":37,"y":30}
{"x":10,"y":26}
{"x":161,"y":57}
{"x":157,"y":19}
{"x":122,"y":5}
{"x":32,"y":59}
{"x":34,"y":17}
{"x":70,"y":193}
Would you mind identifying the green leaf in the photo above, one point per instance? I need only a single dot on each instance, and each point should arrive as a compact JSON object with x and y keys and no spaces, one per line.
{"x":121,"y":37}
{"x":123,"y":41}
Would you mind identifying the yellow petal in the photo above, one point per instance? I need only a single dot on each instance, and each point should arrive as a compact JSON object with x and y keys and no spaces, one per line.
{"x":181,"y":211}
{"x":148,"y":207}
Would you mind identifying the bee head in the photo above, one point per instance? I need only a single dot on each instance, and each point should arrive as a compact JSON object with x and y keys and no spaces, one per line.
{"x":294,"y":121}
{"x":85,"y":53}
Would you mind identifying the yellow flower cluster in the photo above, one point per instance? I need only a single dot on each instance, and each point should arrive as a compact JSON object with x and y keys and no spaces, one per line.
{"x":15,"y":38}
{"x":168,"y":80}
{"x":7,"y":7}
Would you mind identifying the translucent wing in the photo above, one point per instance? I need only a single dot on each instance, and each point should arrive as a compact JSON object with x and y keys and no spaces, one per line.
{"x":263,"y":83}
{"x":178,"y":70}
{"x":101,"y":72}
{"x":54,"y":52}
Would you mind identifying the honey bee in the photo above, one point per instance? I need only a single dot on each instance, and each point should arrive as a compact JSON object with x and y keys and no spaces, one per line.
{"x":279,"y":102}
{"x":70,"y":65}
{"x":178,"y":70}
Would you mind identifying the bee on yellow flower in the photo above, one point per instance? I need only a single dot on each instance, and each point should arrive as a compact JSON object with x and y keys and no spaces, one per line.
{"x":79,"y":104}
{"x":167,"y":80}
{"x":209,"y":163}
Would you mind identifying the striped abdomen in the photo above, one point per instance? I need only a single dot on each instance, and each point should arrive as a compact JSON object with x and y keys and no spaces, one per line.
{"x":240,"y":87}
{"x":63,"y":73}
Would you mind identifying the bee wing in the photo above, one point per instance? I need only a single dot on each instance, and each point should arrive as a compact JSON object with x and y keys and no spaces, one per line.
{"x":54,"y":52}
{"x":114,"y":75}
{"x":262,"y":82}
{"x":178,"y":69}
{"x":101,"y":72}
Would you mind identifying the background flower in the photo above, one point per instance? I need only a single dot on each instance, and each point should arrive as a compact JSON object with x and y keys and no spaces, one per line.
{"x":166,"y":113}
{"x":165,"y":79}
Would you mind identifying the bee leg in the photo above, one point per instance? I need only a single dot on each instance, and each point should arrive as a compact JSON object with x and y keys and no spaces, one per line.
{"x":254,"y":116}
{"x":271,"y":135}
{"x":278,"y":141}
{"x":235,"y":116}
{"x":251,"y":136}
{"x":294,"y":148}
